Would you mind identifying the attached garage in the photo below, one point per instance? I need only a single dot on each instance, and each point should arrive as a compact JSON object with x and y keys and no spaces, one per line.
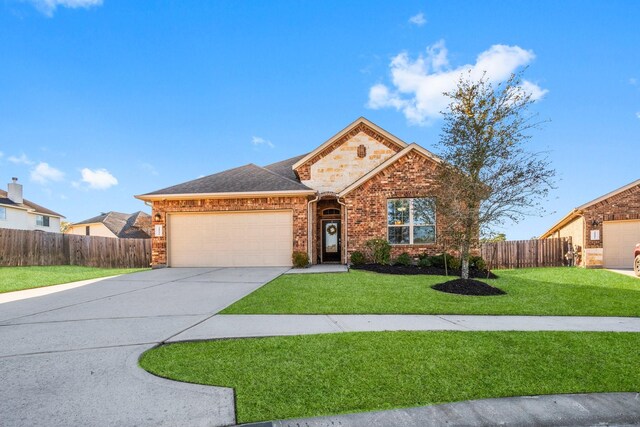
{"x":618,"y":241}
{"x":223,"y":239}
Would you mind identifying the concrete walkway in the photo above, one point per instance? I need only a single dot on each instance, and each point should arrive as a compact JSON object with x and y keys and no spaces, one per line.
{"x":258,"y":325}
{"x":71,"y":358}
{"x":554,"y":410}
{"x":626,"y":271}
{"x":320,"y":268}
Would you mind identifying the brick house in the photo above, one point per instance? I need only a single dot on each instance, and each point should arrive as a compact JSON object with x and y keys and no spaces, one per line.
{"x":362,"y":183}
{"x":605,"y":230}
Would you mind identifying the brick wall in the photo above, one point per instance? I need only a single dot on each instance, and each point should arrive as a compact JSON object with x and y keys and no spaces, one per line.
{"x":297,"y":204}
{"x":411,"y":176}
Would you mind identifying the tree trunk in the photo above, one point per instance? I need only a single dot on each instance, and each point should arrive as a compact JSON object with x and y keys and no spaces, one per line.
{"x":464,"y":273}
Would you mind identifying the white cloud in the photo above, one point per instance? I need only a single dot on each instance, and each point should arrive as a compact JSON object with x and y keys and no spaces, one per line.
{"x":418,"y":19}
{"x":1,"y":154}
{"x":43,"y":174}
{"x":21,"y":160}
{"x":48,"y":7}
{"x":638,"y":114}
{"x":418,"y":84}
{"x":258,"y":141}
{"x":99,"y":179}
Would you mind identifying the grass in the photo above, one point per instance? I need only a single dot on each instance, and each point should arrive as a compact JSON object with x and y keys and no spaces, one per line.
{"x":20,"y":278}
{"x":541,"y":291}
{"x":312,"y":375}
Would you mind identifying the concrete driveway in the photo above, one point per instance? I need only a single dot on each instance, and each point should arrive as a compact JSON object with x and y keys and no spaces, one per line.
{"x":70,"y":358}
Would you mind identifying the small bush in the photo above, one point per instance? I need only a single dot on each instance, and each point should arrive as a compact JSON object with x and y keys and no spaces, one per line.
{"x":404,"y":259}
{"x":300,"y":259}
{"x":357,"y":258}
{"x":454,"y":263}
{"x":424,"y":262}
{"x":477,"y":262}
{"x":380,"y":251}
{"x":438,"y":260}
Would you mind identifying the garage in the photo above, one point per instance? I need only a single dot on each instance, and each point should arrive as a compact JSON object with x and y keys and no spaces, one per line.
{"x":230,"y":239}
{"x":618,"y":240}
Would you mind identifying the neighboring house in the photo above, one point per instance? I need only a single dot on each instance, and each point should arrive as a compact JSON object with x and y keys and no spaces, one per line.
{"x":362,"y":183}
{"x":114,"y":224}
{"x":19,"y":213}
{"x":605,"y":230}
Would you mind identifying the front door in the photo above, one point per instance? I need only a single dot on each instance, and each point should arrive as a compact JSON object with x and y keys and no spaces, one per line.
{"x":331,"y":240}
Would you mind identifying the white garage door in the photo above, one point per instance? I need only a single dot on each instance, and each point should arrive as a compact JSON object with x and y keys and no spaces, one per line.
{"x":230,"y":239}
{"x":618,"y":240}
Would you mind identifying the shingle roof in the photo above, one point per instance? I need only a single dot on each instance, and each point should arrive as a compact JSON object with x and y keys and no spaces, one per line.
{"x":285,"y":167}
{"x":27,"y":203}
{"x":134,"y":226}
{"x":248,"y":178}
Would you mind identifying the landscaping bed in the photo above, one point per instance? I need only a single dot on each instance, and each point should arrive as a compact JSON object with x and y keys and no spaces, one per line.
{"x":468,"y":287}
{"x":313,"y":375}
{"x":414,"y":270}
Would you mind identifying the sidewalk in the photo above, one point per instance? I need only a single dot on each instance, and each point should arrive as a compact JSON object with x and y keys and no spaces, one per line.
{"x":553,"y":410}
{"x":258,"y":325}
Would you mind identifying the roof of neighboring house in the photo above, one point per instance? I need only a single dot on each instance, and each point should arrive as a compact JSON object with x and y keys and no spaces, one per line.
{"x":4,"y":200}
{"x":133,"y":226}
{"x":576,"y":212}
{"x":244,"y":179}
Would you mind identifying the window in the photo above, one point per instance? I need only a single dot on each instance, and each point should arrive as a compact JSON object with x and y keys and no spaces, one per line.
{"x":42,"y":220}
{"x":331,"y":211}
{"x":87,"y":230}
{"x":411,"y":221}
{"x":3,"y":213}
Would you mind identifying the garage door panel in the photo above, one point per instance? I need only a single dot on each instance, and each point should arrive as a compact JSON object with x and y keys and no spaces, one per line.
{"x":230,"y":239}
{"x":618,"y":241}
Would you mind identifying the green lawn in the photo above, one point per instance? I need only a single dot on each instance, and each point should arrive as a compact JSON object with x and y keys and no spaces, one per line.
{"x":541,"y":291}
{"x":303,"y":376}
{"x":19,"y":278}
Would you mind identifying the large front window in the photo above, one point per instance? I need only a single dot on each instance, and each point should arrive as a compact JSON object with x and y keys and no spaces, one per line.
{"x":3,"y":213}
{"x":411,"y":221}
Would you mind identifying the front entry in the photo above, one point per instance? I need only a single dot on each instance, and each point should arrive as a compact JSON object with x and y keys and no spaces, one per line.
{"x":331,"y":240}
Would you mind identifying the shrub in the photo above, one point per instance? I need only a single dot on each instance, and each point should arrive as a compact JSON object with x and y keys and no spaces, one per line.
{"x":477,"y":262}
{"x":438,"y":260}
{"x":404,"y":259}
{"x":454,"y":263}
{"x":424,"y":262}
{"x":379,"y":250}
{"x":300,"y":259}
{"x":357,"y":258}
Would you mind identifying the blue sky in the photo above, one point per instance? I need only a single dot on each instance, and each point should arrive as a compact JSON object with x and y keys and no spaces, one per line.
{"x":102,"y":100}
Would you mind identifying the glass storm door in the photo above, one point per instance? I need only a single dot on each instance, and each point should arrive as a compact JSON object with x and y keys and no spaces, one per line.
{"x":331,"y":240}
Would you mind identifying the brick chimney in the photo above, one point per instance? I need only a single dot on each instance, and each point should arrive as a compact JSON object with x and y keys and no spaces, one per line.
{"x":15,"y":191}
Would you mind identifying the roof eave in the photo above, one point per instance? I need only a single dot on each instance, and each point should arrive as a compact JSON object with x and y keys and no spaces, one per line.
{"x":572,"y":215}
{"x":229,"y":195}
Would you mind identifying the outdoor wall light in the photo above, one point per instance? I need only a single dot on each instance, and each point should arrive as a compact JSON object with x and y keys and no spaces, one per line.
{"x":595,"y":223}
{"x":157,"y":217}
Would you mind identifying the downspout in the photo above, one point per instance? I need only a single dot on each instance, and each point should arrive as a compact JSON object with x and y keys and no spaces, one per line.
{"x":310,"y":229}
{"x":346,"y":224}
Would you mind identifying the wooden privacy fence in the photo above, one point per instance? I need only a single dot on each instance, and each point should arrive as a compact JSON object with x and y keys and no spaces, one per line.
{"x":526,"y":253}
{"x":22,"y":248}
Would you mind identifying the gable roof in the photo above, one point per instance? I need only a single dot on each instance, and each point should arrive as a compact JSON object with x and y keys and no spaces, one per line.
{"x":26,"y":204}
{"x":576,"y":212}
{"x":134,"y":226}
{"x":360,"y":121}
{"x":285,"y":167}
{"x":391,"y":160}
{"x":244,"y":180}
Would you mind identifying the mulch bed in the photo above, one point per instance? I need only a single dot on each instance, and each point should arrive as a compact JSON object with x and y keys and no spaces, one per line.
{"x":468,"y":287}
{"x":412,"y":269}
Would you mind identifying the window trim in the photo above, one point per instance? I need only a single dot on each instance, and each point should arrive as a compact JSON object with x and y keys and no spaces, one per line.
{"x":3,"y":215}
{"x":411,"y":223}
{"x":42,"y":220}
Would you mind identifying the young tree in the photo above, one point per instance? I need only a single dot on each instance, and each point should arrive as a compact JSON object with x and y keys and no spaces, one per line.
{"x":488,"y":176}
